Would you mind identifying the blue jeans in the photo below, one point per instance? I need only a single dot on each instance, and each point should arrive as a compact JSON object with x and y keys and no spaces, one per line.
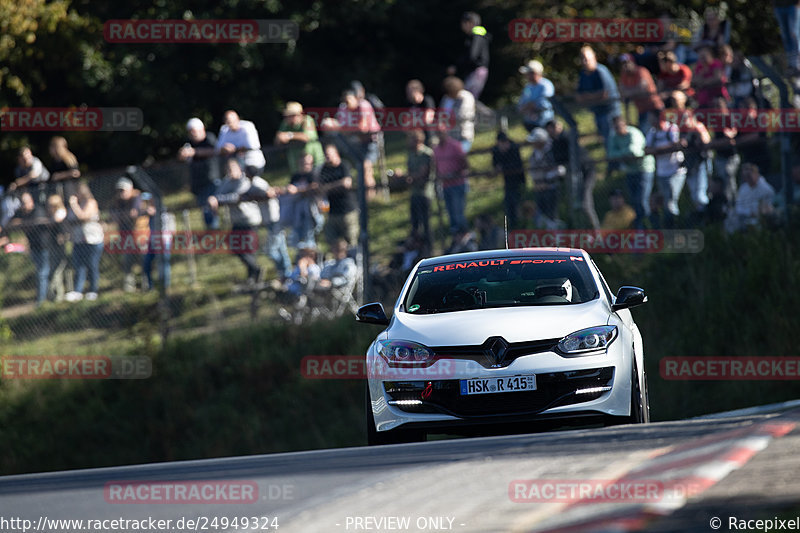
{"x":86,"y":259}
{"x":455,"y":200}
{"x":640,"y":186}
{"x":147,"y":264}
{"x":276,"y":249}
{"x":697,"y":181}
{"x":210,"y":217}
{"x":789,"y":22}
{"x":41,"y":260}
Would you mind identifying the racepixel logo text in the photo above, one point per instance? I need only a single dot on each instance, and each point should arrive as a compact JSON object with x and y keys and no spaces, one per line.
{"x":181,"y":492}
{"x":71,"y":119}
{"x":355,"y":367}
{"x":730,"y":368}
{"x":200,"y":31}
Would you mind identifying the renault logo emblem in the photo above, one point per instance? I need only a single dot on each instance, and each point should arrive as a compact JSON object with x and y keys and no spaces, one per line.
{"x":495,"y":349}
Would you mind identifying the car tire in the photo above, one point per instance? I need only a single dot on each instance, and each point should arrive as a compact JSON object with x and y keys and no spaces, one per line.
{"x":393,"y":436}
{"x":640,"y":403}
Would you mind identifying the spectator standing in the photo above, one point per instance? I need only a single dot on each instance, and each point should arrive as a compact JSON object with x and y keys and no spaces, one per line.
{"x":709,"y":78}
{"x":753,"y":200}
{"x":33,"y":219}
{"x":598,"y":90}
{"x":87,"y":239}
{"x":125,"y":210}
{"x":422,"y":107}
{"x":158,"y":245}
{"x":752,"y":145}
{"x":534,"y":102}
{"x":636,"y":84}
{"x":696,"y":138}
{"x":621,"y":215}
{"x":303,"y":215}
{"x":245,"y":215}
{"x":739,"y":73}
{"x":545,"y":173}
{"x":460,"y":104}
{"x":715,"y":32}
{"x":65,"y":166}
{"x":506,"y":159}
{"x":673,"y":76}
{"x":30,"y":173}
{"x":628,"y":144}
{"x":663,"y":140}
{"x":298,"y":132}
{"x":200,"y":151}
{"x":56,"y":215}
{"x":420,"y":178}
{"x":239,"y":138}
{"x":726,"y":154}
{"x":357,"y":117}
{"x":451,"y":171}
{"x":335,"y":178}
{"x":788,"y":14}
{"x":473,"y":64}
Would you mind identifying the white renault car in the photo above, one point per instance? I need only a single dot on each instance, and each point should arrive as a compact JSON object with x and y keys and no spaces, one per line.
{"x":504,"y":337}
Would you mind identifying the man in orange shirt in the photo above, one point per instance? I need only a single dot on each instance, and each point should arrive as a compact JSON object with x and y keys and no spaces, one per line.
{"x":636,"y":84}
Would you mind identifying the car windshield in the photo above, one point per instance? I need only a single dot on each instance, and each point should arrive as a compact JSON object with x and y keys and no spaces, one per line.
{"x":500,"y":282}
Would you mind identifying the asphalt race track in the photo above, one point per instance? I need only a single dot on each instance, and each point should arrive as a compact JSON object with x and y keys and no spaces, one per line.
{"x":668,"y":476}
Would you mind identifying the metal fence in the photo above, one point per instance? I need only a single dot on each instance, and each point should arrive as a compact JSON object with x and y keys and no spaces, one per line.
{"x":206,"y":291}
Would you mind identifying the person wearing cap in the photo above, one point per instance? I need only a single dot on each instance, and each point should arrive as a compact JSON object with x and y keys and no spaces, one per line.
{"x":636,"y":84}
{"x":126,"y":208}
{"x":598,"y":90}
{"x":507,"y":159}
{"x":534,"y":103}
{"x":621,"y":215}
{"x":473,"y":64}
{"x":199,"y":152}
{"x":298,"y":132}
{"x":239,"y":138}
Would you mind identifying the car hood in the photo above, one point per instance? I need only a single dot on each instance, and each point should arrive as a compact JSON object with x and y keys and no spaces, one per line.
{"x":515,"y":324}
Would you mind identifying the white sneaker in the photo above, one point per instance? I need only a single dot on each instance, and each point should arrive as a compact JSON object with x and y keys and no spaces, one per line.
{"x":73,"y":296}
{"x":91,"y":296}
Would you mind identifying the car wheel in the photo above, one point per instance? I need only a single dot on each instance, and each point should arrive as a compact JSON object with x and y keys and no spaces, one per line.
{"x":393,"y":436}
{"x":640,"y":403}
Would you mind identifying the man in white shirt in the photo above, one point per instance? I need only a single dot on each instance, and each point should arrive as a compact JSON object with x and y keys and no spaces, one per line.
{"x":239,"y":138}
{"x":663,"y":141}
{"x":753,"y":200}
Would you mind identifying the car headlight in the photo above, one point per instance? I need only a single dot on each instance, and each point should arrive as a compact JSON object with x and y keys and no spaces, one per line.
{"x":404,"y":352}
{"x":588,"y":340}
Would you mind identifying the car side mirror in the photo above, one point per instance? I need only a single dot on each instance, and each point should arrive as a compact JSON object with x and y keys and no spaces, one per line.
{"x":372,"y":314}
{"x":629,"y":297}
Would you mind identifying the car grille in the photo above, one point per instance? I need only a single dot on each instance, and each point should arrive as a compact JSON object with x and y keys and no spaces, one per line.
{"x":484,"y":354}
{"x":444,"y":396}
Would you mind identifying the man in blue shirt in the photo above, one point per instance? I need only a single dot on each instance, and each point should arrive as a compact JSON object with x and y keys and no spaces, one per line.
{"x":534,"y":103}
{"x":598,"y":90}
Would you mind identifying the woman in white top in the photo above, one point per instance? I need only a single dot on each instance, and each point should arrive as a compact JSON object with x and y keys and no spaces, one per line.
{"x":87,"y":239}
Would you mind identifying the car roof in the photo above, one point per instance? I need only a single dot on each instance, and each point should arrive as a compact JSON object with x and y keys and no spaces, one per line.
{"x":500,"y":254}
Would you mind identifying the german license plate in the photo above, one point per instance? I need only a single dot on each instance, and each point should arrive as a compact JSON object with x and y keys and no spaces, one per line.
{"x":497,"y":385}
